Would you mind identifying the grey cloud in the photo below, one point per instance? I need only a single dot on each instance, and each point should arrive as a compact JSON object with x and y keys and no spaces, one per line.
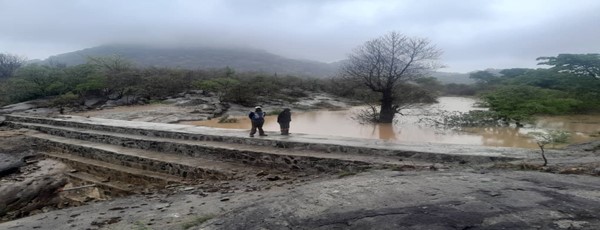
{"x":474,"y":34}
{"x":577,"y":32}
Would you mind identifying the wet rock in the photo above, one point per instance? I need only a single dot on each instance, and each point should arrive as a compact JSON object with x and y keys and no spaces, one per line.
{"x":589,"y":146}
{"x":596,"y":171}
{"x":262,"y":173}
{"x":207,"y":108}
{"x":545,"y":169}
{"x":187,"y":189}
{"x":9,"y":164}
{"x":93,"y":102}
{"x":273,"y":178}
{"x":18,"y":107}
{"x":214,"y":189}
{"x":198,"y":92}
{"x":21,"y":198}
{"x":572,"y":171}
{"x":100,"y":222}
{"x":191,"y":102}
{"x":570,"y":224}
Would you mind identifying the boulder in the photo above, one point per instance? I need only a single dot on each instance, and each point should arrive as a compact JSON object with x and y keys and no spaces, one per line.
{"x":21,"y":198}
{"x":18,"y":107}
{"x":93,"y":102}
{"x":196,"y":92}
{"x":9,"y":164}
{"x":207,"y":108}
{"x":39,"y":189}
{"x":121,"y":101}
{"x":171,"y":101}
{"x":191,"y":102}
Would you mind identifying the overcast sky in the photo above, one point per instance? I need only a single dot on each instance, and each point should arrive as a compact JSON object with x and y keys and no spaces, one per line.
{"x":474,"y":34}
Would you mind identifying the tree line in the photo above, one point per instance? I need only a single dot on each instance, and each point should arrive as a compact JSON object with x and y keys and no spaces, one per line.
{"x":113,"y":78}
{"x":570,"y":86}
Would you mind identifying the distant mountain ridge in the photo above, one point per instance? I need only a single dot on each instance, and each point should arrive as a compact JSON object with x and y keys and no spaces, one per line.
{"x":201,"y":58}
{"x":240,"y":59}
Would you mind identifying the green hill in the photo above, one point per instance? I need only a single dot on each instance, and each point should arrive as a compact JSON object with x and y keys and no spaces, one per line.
{"x":201,"y":58}
{"x":240,"y":59}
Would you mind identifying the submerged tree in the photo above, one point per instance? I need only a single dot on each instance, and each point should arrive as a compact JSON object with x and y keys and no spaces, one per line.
{"x":386,"y":63}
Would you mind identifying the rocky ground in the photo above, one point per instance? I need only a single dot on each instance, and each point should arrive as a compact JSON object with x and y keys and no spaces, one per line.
{"x":31,"y":184}
{"x":516,"y":195}
{"x":464,"y":199}
{"x":191,"y":106}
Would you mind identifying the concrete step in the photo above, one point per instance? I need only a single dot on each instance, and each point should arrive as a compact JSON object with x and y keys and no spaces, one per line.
{"x":177,"y":165}
{"x":112,"y":172}
{"x":271,"y":157}
{"x":441,"y":153}
{"x":108,"y":188}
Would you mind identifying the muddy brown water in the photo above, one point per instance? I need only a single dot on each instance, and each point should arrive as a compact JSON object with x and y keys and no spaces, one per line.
{"x":408,"y":129}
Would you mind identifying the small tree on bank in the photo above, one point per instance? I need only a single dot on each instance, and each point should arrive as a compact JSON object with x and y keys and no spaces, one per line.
{"x":551,"y":137}
{"x":385,"y":63}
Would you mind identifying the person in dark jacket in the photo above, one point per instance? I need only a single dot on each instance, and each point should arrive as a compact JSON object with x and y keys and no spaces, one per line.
{"x":284,"y":118}
{"x":258,"y":119}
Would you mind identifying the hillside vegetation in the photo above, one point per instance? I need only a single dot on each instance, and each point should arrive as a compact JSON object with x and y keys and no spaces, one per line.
{"x":570,"y":86}
{"x":242,"y":60}
{"x":114,"y":78}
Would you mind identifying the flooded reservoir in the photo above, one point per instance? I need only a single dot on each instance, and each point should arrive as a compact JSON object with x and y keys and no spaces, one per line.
{"x":407,"y":128}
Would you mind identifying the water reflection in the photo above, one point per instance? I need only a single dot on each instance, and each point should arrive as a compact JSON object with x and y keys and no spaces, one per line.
{"x":386,"y":132}
{"x":504,"y":136}
{"x":408,"y":129}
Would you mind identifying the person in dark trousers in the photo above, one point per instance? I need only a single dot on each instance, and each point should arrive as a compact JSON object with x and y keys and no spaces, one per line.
{"x":258,"y":119}
{"x":284,"y":118}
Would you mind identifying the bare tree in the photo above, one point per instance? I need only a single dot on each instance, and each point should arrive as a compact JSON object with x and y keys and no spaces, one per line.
{"x":9,"y":63}
{"x":385,"y":63}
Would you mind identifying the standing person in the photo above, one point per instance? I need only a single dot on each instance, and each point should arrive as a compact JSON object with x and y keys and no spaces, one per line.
{"x":258,"y":119}
{"x":284,"y":118}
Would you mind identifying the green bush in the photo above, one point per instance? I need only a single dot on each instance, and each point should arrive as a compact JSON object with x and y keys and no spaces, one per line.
{"x":68,"y":99}
{"x":520,"y":102}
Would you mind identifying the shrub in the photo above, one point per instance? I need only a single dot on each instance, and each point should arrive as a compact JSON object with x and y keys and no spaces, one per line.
{"x":550,"y":137}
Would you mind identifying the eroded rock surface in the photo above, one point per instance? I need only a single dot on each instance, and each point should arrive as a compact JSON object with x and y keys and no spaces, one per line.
{"x":471,"y":199}
{"x":32,"y":191}
{"x":424,"y":200}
